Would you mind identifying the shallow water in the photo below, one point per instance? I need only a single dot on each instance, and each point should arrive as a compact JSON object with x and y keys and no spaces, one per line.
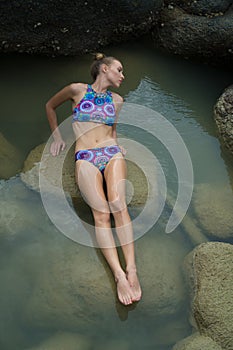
{"x":36,"y":259}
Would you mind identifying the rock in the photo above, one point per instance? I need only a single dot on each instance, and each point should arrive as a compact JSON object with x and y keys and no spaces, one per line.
{"x":30,"y":175}
{"x":15,"y":288}
{"x":206,"y":38}
{"x":20,"y":210}
{"x":72,"y":28}
{"x":115,"y":344}
{"x":64,"y":285}
{"x":213,"y":205}
{"x":211,"y":285}
{"x":71,"y":292}
{"x":223,"y":115}
{"x":189,"y":224}
{"x":64,"y":340}
{"x":197,"y":342}
{"x":10,"y":159}
{"x":202,"y":7}
{"x":75,"y":288}
{"x":164,"y":290}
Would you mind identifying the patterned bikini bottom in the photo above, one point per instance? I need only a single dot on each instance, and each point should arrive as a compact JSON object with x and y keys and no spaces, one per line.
{"x":99,"y":157}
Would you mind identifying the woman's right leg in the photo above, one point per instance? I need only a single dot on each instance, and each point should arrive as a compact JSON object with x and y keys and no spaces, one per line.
{"x":90,"y":182}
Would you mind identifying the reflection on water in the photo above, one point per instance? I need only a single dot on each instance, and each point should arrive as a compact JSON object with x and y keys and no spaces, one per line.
{"x":54,"y":291}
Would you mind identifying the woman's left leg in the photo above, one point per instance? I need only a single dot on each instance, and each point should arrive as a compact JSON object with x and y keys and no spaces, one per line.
{"x":115,"y":175}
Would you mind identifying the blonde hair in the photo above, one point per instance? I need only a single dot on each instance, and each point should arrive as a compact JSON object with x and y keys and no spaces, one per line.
{"x":99,"y":59}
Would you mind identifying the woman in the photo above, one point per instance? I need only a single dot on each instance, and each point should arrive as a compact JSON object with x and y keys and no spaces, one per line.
{"x":99,"y":158}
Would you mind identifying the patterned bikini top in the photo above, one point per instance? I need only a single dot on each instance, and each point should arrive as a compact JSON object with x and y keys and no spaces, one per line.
{"x":95,"y":107}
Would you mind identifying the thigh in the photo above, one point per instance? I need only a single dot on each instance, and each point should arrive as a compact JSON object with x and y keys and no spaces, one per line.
{"x":115,"y":175}
{"x":90,"y":183}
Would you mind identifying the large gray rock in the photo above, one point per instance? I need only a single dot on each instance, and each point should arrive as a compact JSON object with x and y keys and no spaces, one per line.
{"x":223,"y":115}
{"x":75,"y":288}
{"x":58,"y":284}
{"x":70,"y":27}
{"x":197,"y":342}
{"x":207,"y":37}
{"x":211,"y":282}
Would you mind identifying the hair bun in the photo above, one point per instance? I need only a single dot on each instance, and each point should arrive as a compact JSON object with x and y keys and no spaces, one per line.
{"x":99,"y":56}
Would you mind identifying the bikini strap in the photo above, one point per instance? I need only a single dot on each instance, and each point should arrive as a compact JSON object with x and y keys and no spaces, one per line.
{"x":89,"y":88}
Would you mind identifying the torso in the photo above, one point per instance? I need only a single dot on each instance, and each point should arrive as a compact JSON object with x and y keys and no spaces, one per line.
{"x":97,"y":130}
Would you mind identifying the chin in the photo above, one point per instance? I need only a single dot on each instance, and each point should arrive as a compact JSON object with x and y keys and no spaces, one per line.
{"x":118,"y":84}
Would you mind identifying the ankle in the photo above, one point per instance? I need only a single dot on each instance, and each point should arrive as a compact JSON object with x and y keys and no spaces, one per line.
{"x":131,"y":268}
{"x":119,"y":275}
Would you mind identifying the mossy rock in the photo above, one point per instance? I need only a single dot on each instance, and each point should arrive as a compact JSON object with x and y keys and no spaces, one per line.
{"x":213,"y":205}
{"x":210,"y":268}
{"x":197,"y":342}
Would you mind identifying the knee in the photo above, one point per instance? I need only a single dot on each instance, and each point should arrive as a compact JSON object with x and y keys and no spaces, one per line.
{"x":118,"y":205}
{"x":101,"y":218}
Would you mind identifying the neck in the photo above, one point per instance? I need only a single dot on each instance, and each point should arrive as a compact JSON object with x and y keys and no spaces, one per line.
{"x":100,"y":86}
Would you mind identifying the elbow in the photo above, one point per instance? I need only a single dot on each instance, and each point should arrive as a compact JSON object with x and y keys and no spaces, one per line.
{"x":48,"y":106}
{"x":49,"y":109}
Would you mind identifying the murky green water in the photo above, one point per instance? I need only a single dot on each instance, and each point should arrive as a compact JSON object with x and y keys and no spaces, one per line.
{"x":51,"y":284}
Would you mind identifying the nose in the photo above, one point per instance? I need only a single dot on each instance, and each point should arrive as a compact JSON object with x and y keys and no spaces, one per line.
{"x":122,"y":76}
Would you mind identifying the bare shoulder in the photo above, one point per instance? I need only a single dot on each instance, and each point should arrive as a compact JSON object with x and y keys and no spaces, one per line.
{"x":77,"y":88}
{"x":117,"y":98}
{"x":118,"y":102}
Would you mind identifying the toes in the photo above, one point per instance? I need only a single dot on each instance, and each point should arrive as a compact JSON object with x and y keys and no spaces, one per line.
{"x":125,"y":294}
{"x":126,"y":299}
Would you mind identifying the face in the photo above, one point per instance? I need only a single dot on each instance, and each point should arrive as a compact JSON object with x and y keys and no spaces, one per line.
{"x":115,"y":73}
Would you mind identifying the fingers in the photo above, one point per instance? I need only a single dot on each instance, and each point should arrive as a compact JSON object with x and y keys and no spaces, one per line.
{"x":123,"y":150}
{"x":56,"y":147}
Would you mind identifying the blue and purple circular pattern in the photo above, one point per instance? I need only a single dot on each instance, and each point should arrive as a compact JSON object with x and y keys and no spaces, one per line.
{"x":87,"y":106}
{"x":112,"y":150}
{"x":84,"y":155}
{"x":101,"y":160}
{"x":109,"y":110}
{"x":99,"y":101}
{"x":94,"y":107}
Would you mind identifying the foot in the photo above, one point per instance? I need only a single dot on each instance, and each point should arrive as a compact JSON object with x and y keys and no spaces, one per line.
{"x":124,"y":291}
{"x":134,"y":284}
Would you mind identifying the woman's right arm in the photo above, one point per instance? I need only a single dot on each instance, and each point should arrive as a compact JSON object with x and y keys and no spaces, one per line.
{"x":63,"y":95}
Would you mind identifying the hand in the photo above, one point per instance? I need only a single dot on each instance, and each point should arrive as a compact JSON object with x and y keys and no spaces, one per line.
{"x":123,"y":150}
{"x":56,"y":147}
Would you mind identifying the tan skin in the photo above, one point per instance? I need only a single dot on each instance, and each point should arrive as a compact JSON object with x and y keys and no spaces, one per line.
{"x":91,"y":135}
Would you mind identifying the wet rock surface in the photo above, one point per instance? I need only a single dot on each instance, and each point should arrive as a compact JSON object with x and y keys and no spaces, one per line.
{"x":75,"y":288}
{"x":223,"y":115}
{"x":197,"y":30}
{"x":72,"y":27}
{"x":197,"y":342}
{"x":213,"y":205}
{"x":202,"y":7}
{"x":64,"y":340}
{"x":211,"y":283}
